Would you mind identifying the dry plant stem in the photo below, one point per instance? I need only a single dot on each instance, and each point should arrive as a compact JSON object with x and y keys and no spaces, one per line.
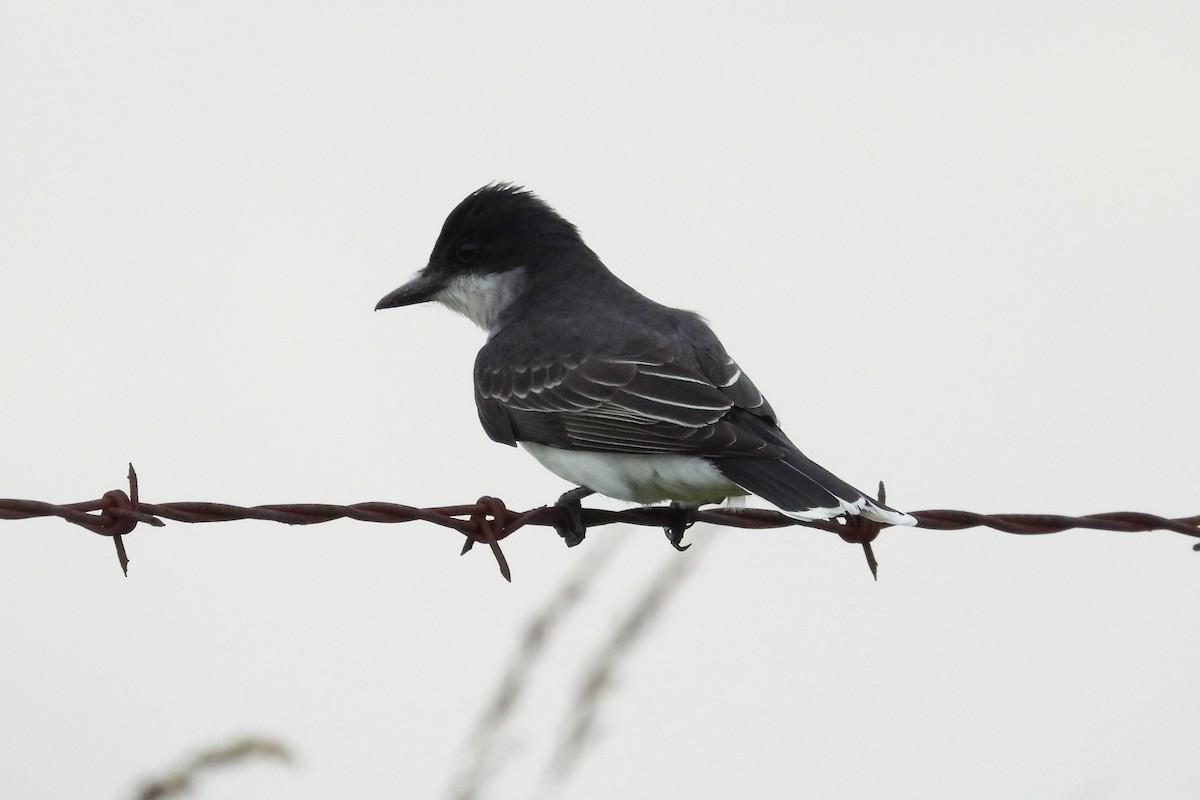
{"x":481,"y":758}
{"x":599,"y":678}
{"x":179,"y":782}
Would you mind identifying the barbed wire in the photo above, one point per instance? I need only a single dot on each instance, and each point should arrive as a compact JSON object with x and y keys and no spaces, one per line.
{"x":488,"y":520}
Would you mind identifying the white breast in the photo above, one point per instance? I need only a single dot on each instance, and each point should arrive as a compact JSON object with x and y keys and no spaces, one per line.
{"x":639,"y":478}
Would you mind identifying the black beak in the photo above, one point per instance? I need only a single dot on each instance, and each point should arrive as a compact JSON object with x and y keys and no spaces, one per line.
{"x":420,"y":289}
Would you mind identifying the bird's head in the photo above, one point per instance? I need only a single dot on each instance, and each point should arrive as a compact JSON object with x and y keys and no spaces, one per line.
{"x":485,"y":253}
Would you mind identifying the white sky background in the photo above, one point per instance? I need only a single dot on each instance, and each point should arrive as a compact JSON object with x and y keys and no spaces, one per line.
{"x":956,"y":247}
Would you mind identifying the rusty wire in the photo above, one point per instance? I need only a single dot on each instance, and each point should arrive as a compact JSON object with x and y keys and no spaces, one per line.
{"x":488,"y":520}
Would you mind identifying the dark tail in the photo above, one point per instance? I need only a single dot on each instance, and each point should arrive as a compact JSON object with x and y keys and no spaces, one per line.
{"x":798,"y":485}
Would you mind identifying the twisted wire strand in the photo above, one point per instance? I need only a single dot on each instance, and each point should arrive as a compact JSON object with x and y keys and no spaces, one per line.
{"x":489,"y":521}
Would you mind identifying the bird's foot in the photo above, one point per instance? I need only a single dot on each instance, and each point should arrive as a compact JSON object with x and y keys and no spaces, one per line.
{"x":685,"y":517}
{"x":574,"y":531}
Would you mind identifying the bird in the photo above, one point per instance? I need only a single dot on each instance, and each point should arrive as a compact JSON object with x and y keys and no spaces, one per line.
{"x":606,"y":388}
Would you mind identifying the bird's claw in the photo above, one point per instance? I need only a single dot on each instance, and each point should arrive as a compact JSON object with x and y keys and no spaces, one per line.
{"x":574,"y":531}
{"x":685,"y":517}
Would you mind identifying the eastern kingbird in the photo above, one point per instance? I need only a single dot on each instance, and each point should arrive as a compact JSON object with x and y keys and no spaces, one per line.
{"x":605,"y":387}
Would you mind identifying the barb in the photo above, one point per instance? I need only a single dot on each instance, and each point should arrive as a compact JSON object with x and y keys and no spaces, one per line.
{"x":489,"y":521}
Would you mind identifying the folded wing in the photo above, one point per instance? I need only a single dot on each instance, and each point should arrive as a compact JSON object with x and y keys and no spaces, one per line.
{"x":644,"y":403}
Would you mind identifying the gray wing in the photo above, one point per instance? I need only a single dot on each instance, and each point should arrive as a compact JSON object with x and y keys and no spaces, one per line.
{"x":650,"y":402}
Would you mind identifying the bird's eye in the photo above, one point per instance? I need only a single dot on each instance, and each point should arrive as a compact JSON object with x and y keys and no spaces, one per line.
{"x":467,"y":252}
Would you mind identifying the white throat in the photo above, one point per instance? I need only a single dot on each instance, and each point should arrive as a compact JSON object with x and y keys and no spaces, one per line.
{"x":483,"y":298}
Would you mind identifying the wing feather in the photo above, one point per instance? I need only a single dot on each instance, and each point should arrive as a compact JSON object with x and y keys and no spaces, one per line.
{"x":643,"y":403}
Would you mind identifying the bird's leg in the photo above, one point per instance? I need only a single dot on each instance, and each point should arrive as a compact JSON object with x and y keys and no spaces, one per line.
{"x":573,"y":532}
{"x":685,"y":517}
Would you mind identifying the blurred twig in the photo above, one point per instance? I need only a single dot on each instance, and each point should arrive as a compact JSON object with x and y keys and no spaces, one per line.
{"x":598,"y":679}
{"x":181,"y":780}
{"x":479,"y":762}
